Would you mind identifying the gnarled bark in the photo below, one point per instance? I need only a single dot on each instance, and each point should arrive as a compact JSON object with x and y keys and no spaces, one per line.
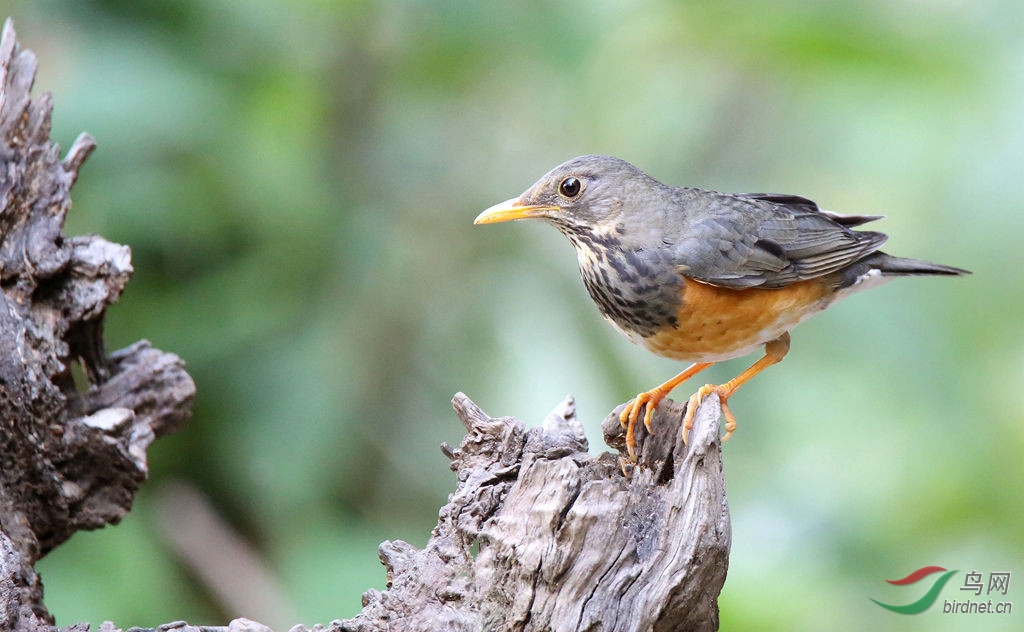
{"x":69,"y":460}
{"x":541,"y":535}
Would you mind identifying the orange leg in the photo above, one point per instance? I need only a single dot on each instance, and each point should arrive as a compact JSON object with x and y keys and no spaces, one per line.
{"x":650,"y":401}
{"x":774,"y":351}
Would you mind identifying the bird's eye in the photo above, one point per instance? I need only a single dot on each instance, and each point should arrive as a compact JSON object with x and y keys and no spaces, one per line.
{"x":570,"y":187}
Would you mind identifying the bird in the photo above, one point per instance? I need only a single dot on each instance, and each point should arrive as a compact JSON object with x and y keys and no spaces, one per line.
{"x":702,"y":276}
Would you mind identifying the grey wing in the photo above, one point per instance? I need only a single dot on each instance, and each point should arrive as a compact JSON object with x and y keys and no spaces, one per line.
{"x":803,"y":203}
{"x":768,"y":240}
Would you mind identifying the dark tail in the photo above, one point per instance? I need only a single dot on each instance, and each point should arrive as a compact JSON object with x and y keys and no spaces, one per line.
{"x":901,"y":266}
{"x":888,"y":265}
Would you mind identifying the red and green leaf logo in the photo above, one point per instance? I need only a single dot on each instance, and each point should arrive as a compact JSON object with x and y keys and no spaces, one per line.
{"x":929,"y":597}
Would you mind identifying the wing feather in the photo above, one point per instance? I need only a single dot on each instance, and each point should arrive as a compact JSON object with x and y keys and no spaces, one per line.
{"x":767,"y":240}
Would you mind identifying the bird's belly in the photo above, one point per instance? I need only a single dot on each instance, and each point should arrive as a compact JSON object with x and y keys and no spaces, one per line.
{"x":715,"y":323}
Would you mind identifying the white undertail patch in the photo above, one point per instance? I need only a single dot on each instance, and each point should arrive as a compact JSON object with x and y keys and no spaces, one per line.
{"x":871,"y":278}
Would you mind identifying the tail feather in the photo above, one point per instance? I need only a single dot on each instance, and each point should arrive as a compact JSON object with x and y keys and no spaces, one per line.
{"x":878,"y":267}
{"x":902,"y":266}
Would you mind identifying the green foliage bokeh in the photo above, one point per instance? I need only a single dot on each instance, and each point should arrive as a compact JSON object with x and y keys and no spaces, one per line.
{"x":297,"y":182}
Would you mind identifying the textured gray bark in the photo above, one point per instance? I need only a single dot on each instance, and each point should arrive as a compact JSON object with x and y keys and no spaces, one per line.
{"x":69,"y":460}
{"x":538,"y":535}
{"x":541,"y":535}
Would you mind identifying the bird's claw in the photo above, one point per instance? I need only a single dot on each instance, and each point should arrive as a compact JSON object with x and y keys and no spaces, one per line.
{"x":695,"y":401}
{"x":647,"y":401}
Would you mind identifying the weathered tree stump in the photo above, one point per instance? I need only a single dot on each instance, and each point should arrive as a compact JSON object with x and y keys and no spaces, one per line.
{"x":69,"y":460}
{"x":538,"y":535}
{"x":541,"y":535}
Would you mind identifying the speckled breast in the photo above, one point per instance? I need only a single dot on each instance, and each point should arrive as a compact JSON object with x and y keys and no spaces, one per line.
{"x":639,"y":292}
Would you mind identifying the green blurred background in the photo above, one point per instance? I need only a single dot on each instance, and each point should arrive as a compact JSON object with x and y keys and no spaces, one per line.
{"x":297,"y":182}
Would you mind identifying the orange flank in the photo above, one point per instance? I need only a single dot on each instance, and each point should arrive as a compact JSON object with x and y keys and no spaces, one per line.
{"x":716,"y":323}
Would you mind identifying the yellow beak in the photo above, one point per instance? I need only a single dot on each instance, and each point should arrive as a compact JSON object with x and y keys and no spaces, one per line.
{"x":510,"y":210}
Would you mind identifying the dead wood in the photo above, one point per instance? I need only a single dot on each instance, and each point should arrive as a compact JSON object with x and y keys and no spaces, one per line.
{"x":541,"y":535}
{"x":69,"y":459}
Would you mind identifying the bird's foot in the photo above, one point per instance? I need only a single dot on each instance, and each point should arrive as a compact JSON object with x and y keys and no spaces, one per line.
{"x":724,"y":391}
{"x":648,"y":402}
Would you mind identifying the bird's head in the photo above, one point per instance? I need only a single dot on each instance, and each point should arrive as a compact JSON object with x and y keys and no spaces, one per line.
{"x":584,"y":195}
